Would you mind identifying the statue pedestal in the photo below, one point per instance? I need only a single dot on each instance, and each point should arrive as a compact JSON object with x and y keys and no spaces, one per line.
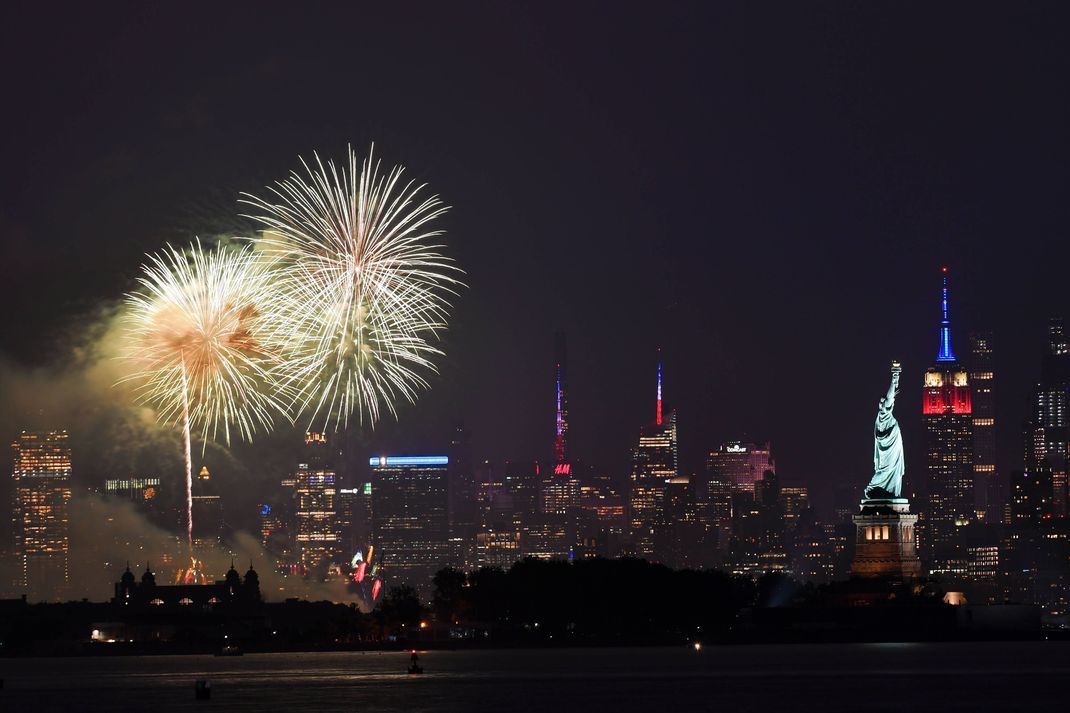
{"x":884,"y":540}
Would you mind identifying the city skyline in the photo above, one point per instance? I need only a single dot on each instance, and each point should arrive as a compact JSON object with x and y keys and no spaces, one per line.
{"x":580,"y":355}
{"x":736,"y":514}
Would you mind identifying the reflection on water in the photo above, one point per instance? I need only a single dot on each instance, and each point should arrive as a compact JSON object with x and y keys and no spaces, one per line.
{"x":862,"y":677}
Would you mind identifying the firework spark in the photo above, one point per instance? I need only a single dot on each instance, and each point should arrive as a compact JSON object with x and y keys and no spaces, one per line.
{"x":363,"y":285}
{"x":198,"y":345}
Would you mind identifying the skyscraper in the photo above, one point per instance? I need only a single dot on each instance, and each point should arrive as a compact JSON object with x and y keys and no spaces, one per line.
{"x":654,"y":464}
{"x":1050,"y":420}
{"x":410,"y":506}
{"x":947,"y":413}
{"x":208,"y":520}
{"x":547,"y":534}
{"x":464,"y":500}
{"x":270,"y":525}
{"x":354,"y":518}
{"x":795,"y":501}
{"x":315,"y":510}
{"x":738,"y":465}
{"x":988,"y":496}
{"x":560,"y":399}
{"x":42,"y":475}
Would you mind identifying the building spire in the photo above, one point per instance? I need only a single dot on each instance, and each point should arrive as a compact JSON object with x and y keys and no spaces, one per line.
{"x":945,"y":353}
{"x":658,"y":419}
{"x":561,"y":399}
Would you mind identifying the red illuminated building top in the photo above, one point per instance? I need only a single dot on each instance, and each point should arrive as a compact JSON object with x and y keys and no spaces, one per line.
{"x":946,"y":392}
{"x":947,"y":389}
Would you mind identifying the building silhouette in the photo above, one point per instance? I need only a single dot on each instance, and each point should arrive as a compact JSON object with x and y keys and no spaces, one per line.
{"x":989,"y":497}
{"x":410,"y":505}
{"x":463,"y":500}
{"x":1049,"y":447}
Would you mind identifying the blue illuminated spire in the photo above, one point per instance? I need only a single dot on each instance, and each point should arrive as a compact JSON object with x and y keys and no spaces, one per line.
{"x":945,"y":353}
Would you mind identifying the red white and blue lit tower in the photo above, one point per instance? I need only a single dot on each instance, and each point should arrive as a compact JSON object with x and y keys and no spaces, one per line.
{"x":654,"y":464}
{"x":561,"y":404}
{"x":560,"y":488}
{"x":947,"y":413}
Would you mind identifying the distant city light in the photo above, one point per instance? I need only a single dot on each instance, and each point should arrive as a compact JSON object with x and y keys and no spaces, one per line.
{"x":385,"y":461}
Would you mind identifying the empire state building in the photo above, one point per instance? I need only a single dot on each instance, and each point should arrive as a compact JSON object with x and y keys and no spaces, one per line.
{"x":947,"y":414}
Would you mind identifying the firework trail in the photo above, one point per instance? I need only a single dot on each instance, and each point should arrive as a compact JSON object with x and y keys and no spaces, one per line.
{"x":362,"y":284}
{"x":199,"y":349}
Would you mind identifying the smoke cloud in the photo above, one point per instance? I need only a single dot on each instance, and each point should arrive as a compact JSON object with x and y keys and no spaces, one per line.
{"x":76,"y":385}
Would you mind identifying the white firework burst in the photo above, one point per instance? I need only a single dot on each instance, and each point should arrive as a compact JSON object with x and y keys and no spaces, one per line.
{"x":198,"y":345}
{"x":362,"y":282}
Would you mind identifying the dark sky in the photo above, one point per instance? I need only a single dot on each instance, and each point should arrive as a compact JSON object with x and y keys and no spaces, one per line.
{"x":765,"y":190}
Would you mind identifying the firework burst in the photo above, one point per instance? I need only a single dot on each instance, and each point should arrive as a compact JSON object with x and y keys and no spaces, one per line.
{"x":198,"y":345}
{"x":363,"y":285}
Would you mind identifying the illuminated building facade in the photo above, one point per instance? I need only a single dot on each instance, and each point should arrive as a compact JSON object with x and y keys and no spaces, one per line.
{"x":989,"y":497}
{"x":811,"y":553}
{"x":794,"y":501}
{"x":1050,"y":422}
{"x":315,"y":493}
{"x":606,"y":525}
{"x":410,"y":506}
{"x":560,"y":491}
{"x":41,"y":519}
{"x":678,"y":532}
{"x":272,"y":533}
{"x":521,"y":481}
{"x":138,"y":490}
{"x":497,"y":548}
{"x":655,"y":462}
{"x":713,"y":502}
{"x":739,"y":465}
{"x":508,"y":510}
{"x":1031,"y":497}
{"x":947,"y":413}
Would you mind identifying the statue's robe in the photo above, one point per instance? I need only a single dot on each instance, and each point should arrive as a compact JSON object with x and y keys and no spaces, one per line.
{"x":888,"y":465}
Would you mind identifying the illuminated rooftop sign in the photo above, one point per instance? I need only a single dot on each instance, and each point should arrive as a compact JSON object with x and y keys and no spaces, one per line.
{"x":384,"y":461}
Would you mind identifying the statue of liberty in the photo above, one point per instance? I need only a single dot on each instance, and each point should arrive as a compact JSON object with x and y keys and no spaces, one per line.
{"x":888,"y":465}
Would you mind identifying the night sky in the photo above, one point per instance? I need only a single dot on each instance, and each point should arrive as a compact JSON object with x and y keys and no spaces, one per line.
{"x":767,"y":191}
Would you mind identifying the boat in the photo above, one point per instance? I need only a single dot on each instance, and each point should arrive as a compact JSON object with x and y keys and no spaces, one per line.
{"x":229,"y":650}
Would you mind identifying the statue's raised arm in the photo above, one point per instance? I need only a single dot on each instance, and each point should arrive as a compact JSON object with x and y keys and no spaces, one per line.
{"x":893,"y":388}
{"x":888,"y":464}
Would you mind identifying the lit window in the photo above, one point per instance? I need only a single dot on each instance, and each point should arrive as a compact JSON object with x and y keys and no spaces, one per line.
{"x":885,"y":535}
{"x":185,"y":601}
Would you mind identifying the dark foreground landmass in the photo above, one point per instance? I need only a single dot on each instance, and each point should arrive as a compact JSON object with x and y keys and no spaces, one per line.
{"x":596,"y":603}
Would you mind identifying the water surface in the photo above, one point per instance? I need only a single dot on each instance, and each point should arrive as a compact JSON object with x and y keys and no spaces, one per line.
{"x":864,"y":678}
